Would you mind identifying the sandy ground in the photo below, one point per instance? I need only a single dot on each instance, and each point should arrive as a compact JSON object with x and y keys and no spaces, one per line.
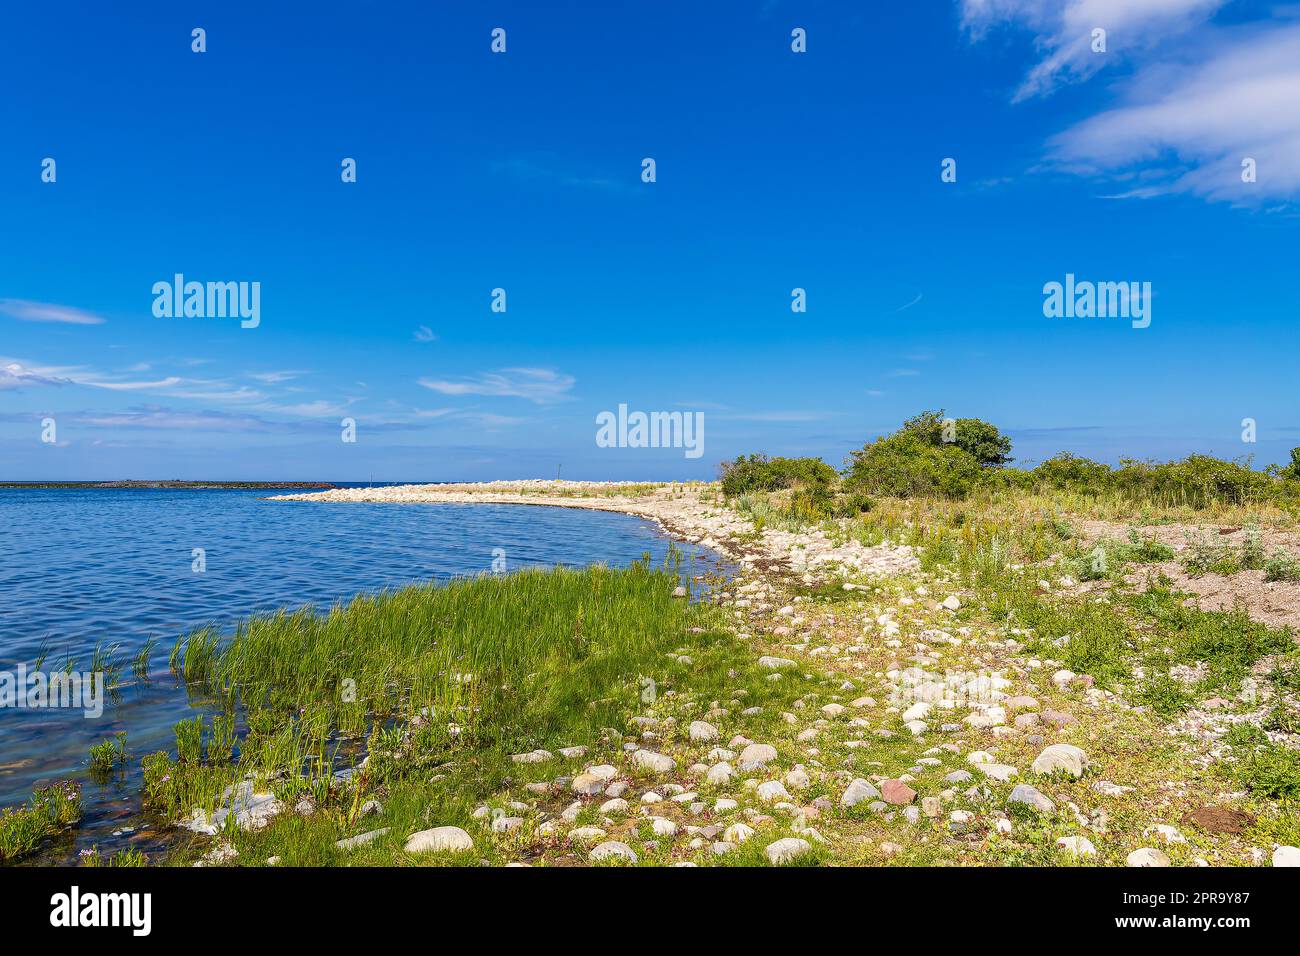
{"x":1276,"y":603}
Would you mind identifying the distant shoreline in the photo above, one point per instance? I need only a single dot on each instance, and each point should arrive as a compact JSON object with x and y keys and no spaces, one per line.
{"x":173,"y":484}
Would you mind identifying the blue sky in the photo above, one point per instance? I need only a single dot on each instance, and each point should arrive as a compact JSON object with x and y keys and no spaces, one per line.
{"x":522,"y":171}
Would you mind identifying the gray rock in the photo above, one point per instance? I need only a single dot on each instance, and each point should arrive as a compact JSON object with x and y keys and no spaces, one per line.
{"x":351,"y":843}
{"x":1062,"y":758}
{"x":790,"y":848}
{"x":613,"y":850}
{"x":656,"y":763}
{"x":757,"y":755}
{"x":857,"y":791}
{"x":1024,"y":793}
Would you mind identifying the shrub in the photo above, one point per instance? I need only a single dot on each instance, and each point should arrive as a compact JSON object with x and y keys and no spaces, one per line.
{"x":977,"y":438}
{"x":1292,"y":471}
{"x":761,"y":473}
{"x":904,"y":465}
{"x":1198,"y":481}
{"x":930,"y":456}
{"x":1073,"y":473}
{"x":1282,"y":567}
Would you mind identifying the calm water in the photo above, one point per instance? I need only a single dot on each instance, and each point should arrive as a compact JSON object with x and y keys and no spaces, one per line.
{"x":81,"y":567}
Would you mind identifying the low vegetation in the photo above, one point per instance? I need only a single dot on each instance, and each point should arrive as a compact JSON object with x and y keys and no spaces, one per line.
{"x":49,"y":812}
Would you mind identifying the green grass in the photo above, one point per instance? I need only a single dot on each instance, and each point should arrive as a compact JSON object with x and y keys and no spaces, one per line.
{"x":439,"y":685}
{"x":50,"y":811}
{"x":1272,"y":771}
{"x":108,"y":755}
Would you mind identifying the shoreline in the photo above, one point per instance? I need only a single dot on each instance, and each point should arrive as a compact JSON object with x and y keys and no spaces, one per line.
{"x":916,"y":700}
{"x":691,"y":512}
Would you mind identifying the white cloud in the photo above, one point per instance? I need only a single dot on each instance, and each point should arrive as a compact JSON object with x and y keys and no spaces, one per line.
{"x":539,"y":385}
{"x":1204,"y":119}
{"x":1063,"y":31}
{"x":131,"y":386}
{"x":274,"y":378}
{"x":26,"y":311}
{"x":14,"y":375}
{"x":1198,"y":101}
{"x":424,"y":334}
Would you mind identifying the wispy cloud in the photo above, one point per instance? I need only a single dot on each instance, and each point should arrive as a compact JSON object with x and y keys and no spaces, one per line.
{"x":903,"y":308}
{"x":128,"y":386}
{"x":903,"y":373}
{"x":276,"y":377}
{"x":539,"y":385}
{"x":1063,"y":31}
{"x":1200,"y":99}
{"x":26,"y":311}
{"x":160,"y":417}
{"x":15,"y":375}
{"x":424,"y":334}
{"x":1200,"y":120}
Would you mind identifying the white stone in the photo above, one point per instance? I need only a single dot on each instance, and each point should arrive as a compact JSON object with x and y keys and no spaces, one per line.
{"x":1286,"y":856}
{"x":757,"y":755}
{"x":701,"y":730}
{"x":1147,"y":856}
{"x":656,"y":763}
{"x":439,"y":840}
{"x":1077,"y":846}
{"x":790,"y":848}
{"x":737,"y":833}
{"x":613,"y":850}
{"x":1061,"y":758}
{"x":662,"y":826}
{"x":772,"y":791}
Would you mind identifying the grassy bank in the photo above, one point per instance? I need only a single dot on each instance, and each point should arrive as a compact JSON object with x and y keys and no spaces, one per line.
{"x":440,"y":686}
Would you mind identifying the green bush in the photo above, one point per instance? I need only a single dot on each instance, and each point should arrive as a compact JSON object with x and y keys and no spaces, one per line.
{"x":977,"y":438}
{"x":930,"y":456}
{"x":761,"y":473}
{"x":905,"y":465}
{"x":1072,"y":473}
{"x":1198,"y":481}
{"x":1292,"y":471}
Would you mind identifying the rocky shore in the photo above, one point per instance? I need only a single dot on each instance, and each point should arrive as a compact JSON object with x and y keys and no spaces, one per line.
{"x":917,"y":730}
